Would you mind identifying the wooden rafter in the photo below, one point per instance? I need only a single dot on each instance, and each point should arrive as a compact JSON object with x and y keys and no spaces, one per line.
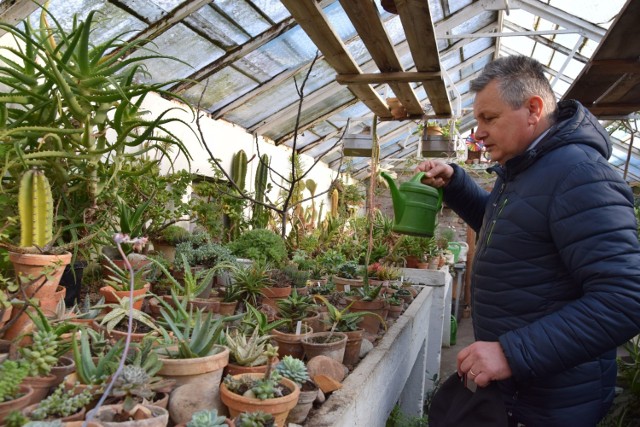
{"x":313,"y":21}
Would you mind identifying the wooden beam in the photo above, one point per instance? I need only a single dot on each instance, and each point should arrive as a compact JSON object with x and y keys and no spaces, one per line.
{"x":418,"y":27}
{"x":615,"y":66}
{"x":366,"y":19}
{"x":12,"y":12}
{"x":379,"y":78}
{"x":312,"y":20}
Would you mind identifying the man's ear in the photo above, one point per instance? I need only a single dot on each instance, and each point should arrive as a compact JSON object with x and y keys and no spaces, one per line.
{"x":535,"y":105}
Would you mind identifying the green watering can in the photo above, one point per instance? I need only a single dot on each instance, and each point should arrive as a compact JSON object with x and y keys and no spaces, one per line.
{"x":415,"y":206}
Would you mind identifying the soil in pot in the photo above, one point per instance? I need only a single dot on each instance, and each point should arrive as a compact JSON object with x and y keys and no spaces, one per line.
{"x":113,"y":416}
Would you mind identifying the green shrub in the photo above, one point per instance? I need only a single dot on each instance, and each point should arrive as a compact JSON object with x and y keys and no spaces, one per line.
{"x":174,"y":234}
{"x":260,"y":245}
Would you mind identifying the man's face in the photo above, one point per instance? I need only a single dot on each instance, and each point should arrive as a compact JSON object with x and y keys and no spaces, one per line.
{"x":506,"y":132}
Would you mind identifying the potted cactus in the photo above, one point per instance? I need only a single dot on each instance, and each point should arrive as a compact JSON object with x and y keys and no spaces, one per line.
{"x":37,"y":263}
{"x":269,"y":392}
{"x":246,"y":353}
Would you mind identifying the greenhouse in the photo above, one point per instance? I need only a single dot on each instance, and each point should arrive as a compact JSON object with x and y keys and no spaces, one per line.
{"x":320,"y":213}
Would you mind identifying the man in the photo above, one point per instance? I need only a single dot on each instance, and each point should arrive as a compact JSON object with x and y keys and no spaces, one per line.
{"x":556,"y":274}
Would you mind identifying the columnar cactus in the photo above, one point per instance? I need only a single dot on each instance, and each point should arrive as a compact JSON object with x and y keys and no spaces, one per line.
{"x":334,"y":202}
{"x":239,"y":169}
{"x":35,"y":205}
{"x":260,"y":217}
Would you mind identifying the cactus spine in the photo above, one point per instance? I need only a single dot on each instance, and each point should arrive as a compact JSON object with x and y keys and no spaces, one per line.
{"x":35,"y":205}
{"x":260,"y":218}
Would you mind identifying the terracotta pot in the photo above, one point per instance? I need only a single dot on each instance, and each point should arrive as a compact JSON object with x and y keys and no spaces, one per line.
{"x":16,"y":404}
{"x":228,"y":308}
{"x":369,"y":323}
{"x":276,"y":293}
{"x":105,"y":415}
{"x":5,"y":315}
{"x":78,"y":416}
{"x":233,"y":369}
{"x":137,"y":264}
{"x":290,"y":344}
{"x":341,"y":282}
{"x":114,"y":335}
{"x":314,"y":346}
{"x":40,"y":386}
{"x":411,"y":261}
{"x":305,"y":402}
{"x":66,"y":365}
{"x":278,"y":407}
{"x":48,"y":305}
{"x":395,"y":311}
{"x":111,"y":295}
{"x":423,"y":265}
{"x":81,"y":424}
{"x":184,"y":371}
{"x":33,"y":265}
{"x":208,"y":305}
{"x":352,"y":349}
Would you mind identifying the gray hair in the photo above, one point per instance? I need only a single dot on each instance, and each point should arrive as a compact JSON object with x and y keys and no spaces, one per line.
{"x":519,"y":78}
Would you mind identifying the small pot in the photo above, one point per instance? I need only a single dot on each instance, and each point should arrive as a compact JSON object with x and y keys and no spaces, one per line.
{"x":315,"y":345}
{"x":106,"y":414}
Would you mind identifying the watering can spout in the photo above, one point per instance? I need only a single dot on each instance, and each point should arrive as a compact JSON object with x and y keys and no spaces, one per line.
{"x":396,"y":197}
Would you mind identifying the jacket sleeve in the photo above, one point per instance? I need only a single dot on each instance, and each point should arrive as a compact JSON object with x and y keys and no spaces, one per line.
{"x":466,"y":198}
{"x":593,"y":226}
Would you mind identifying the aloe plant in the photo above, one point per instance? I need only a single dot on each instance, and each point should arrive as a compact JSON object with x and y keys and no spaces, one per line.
{"x":344,"y":320}
{"x":121,"y":311}
{"x":196,"y":335}
{"x":90,"y":371}
{"x":73,"y":107}
{"x":247,"y":350}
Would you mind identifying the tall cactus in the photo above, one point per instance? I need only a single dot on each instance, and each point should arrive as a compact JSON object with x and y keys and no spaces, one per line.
{"x":334,"y":202}
{"x":239,"y":169}
{"x":35,"y":204}
{"x":260,"y":218}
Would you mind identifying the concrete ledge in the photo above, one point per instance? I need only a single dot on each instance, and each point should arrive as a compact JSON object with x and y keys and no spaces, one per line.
{"x":395,"y":370}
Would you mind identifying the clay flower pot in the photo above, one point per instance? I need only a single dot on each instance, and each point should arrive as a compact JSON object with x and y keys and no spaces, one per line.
{"x":330,"y":344}
{"x":66,"y":365}
{"x":78,"y":416}
{"x":395,"y":311}
{"x":16,"y":404}
{"x":305,"y":402}
{"x":341,"y":282}
{"x":107,"y":416}
{"x":278,"y":407}
{"x":188,"y":370}
{"x":352,"y":349}
{"x":111,"y":295}
{"x":40,"y":386}
{"x":291,"y":344}
{"x":34,"y":265}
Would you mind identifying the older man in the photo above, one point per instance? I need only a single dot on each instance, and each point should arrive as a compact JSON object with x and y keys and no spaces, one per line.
{"x":556,"y":275}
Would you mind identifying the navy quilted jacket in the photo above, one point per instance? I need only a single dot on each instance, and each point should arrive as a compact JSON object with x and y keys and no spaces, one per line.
{"x":556,"y":275}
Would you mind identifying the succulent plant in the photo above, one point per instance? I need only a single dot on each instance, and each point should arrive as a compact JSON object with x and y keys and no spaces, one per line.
{"x":255,"y":419}
{"x":247,"y":350}
{"x":134,"y":384}
{"x":62,"y":403}
{"x":11,"y":375}
{"x":207,"y":418}
{"x":293,"y":369}
{"x":40,"y":356}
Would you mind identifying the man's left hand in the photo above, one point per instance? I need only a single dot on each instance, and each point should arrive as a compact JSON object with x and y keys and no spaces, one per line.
{"x":483,"y":362}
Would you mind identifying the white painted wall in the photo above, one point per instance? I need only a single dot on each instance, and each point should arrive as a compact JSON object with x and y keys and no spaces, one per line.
{"x":224,"y":140}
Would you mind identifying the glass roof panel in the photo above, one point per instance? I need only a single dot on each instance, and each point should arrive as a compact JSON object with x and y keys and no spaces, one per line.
{"x":275,"y":10}
{"x":224,"y":87}
{"x":245,"y":16}
{"x":216,"y":26}
{"x":171,"y":43}
{"x":111,"y":20}
{"x":591,"y":10}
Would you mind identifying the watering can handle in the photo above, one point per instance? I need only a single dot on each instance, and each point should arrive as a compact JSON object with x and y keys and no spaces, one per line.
{"x":418,"y":178}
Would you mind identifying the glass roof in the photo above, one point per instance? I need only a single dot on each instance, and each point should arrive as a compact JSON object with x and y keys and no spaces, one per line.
{"x":246,"y":56}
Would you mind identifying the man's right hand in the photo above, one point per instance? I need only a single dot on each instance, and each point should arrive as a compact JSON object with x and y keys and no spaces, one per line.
{"x":437,"y":173}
